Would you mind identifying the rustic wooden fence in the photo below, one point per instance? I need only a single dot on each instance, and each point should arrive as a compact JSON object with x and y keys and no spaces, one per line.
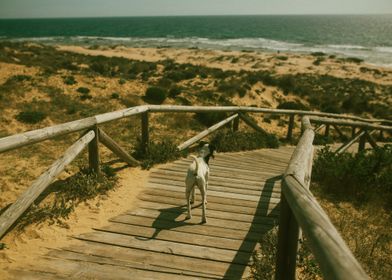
{"x":298,"y":208}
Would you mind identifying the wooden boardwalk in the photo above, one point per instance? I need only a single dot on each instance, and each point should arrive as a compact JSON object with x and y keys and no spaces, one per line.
{"x":153,"y":241}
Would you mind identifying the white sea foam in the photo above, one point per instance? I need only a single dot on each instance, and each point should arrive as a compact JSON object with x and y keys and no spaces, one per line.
{"x":379,"y":55}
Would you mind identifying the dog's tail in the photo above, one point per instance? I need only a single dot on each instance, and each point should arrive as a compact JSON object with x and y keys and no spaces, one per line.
{"x":197,"y":164}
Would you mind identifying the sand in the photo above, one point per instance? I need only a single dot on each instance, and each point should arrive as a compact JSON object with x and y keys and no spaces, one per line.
{"x":22,"y":248}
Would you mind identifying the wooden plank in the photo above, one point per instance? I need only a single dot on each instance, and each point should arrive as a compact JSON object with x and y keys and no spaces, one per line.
{"x":228,"y":175}
{"x":153,"y":219}
{"x":187,"y":265}
{"x":93,"y":269}
{"x":261,"y":210}
{"x":334,"y":257}
{"x":215,"y":197}
{"x":205,"y":133}
{"x":116,"y":149}
{"x":215,"y":180}
{"x":326,"y":132}
{"x":218,"y":192}
{"x":236,"y":123}
{"x":146,"y":260}
{"x":341,"y":135}
{"x":371,"y":141}
{"x":30,"y":137}
{"x":320,"y":127}
{"x":244,"y":219}
{"x":236,"y":109}
{"x":167,"y":247}
{"x":361,"y":124}
{"x":180,"y":237}
{"x":228,"y":188}
{"x":8,"y":218}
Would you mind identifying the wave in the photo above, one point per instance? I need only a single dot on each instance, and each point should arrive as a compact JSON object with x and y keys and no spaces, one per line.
{"x":379,"y":55}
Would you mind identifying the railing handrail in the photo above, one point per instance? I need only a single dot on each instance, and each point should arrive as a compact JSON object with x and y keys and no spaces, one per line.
{"x":34,"y":136}
{"x":333,"y":255}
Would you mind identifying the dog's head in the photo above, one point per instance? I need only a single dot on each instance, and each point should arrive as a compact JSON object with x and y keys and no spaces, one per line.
{"x":206,"y":150}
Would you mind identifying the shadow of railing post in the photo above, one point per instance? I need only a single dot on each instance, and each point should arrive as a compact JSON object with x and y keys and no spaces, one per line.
{"x":261,"y":210}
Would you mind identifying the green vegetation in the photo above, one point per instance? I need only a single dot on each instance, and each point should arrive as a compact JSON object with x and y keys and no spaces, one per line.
{"x":31,"y":117}
{"x":83,"y":90}
{"x":67,"y":194}
{"x":229,"y":141}
{"x":366,"y":175}
{"x":210,"y":118}
{"x":264,"y":259}
{"x":155,"y":95}
{"x":156,"y":152}
{"x":293,"y":105}
{"x":69,"y":80}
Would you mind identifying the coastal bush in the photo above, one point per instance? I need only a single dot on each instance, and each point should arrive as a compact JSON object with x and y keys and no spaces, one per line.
{"x":69,"y":193}
{"x":210,"y":118}
{"x":156,"y":152}
{"x":31,"y":117}
{"x":69,"y":80}
{"x":264,"y":259}
{"x":122,"y":81}
{"x":174,"y":91}
{"x":83,"y":90}
{"x":286,"y":83}
{"x":317,"y":54}
{"x":293,"y":105}
{"x":354,"y":60}
{"x":356,"y":177}
{"x":155,"y":95}
{"x":234,"y":141}
{"x":115,"y":95}
{"x":282,"y":57}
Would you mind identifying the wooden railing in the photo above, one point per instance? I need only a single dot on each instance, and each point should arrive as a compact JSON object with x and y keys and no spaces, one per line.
{"x":298,"y":207}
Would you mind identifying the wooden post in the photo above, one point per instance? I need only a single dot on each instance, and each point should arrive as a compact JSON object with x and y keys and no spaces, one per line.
{"x":8,"y":218}
{"x":287,"y":243}
{"x":326,"y":134}
{"x":93,"y":152}
{"x":362,"y":142}
{"x":145,"y":135}
{"x":290,"y":129}
{"x":353,"y":132}
{"x":236,"y":123}
{"x":381,"y":136}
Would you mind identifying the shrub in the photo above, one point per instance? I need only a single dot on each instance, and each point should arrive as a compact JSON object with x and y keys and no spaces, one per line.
{"x":83,"y":90}
{"x":291,"y":105}
{"x":282,"y":57}
{"x":31,"y":116}
{"x":210,"y":118}
{"x":229,"y":141}
{"x":69,"y":80}
{"x":174,"y":91}
{"x":122,"y":81}
{"x":354,"y":60}
{"x":115,"y":95}
{"x":68,"y":194}
{"x":155,"y":95}
{"x":156,"y":152}
{"x":318,"y":54}
{"x":356,"y":177}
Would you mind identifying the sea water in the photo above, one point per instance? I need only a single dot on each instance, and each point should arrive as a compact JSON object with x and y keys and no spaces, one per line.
{"x":368,"y":37}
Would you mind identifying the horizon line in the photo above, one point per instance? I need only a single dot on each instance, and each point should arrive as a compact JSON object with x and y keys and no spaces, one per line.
{"x":212,"y":15}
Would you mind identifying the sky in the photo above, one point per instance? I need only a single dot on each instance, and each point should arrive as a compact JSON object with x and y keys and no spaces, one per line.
{"x":110,"y":8}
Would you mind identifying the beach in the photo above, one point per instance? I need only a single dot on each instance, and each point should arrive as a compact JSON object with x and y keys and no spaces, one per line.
{"x":216,"y":77}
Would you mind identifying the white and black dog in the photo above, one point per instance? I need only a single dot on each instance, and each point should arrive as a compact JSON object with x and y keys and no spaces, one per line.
{"x":197,"y":175}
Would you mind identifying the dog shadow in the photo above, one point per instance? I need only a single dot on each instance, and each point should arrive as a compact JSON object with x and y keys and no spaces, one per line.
{"x":169,"y":219}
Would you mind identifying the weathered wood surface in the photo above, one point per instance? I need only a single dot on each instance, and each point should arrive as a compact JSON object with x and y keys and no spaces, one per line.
{"x":351,"y":123}
{"x":333,"y":255}
{"x":116,"y":149}
{"x":154,"y":241}
{"x":206,"y":132}
{"x":8,"y":218}
{"x":35,"y":136}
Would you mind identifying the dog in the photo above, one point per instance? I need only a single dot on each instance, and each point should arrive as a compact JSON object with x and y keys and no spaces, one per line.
{"x":197,"y":175}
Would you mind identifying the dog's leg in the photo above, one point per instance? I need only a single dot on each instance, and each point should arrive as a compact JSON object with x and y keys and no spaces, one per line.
{"x":202,"y":187}
{"x":193,"y":195}
{"x":188,"y":192}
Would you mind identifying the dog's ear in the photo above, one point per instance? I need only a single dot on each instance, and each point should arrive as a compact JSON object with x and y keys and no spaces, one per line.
{"x":202,"y":143}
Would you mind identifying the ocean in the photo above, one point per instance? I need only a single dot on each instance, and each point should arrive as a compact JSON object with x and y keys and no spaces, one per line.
{"x":368,"y":37}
